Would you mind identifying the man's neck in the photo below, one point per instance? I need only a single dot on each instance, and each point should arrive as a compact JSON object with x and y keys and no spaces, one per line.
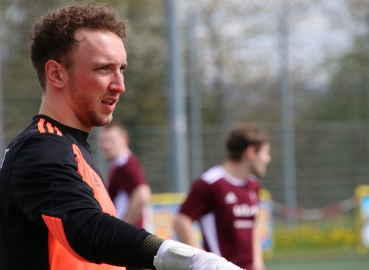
{"x":60,"y":112}
{"x":236,"y":169}
{"x":125,"y":152}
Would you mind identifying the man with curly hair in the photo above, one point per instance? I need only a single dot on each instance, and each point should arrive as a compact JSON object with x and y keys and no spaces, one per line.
{"x":55,"y":210}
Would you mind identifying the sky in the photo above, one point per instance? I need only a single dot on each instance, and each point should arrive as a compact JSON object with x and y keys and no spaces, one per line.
{"x":250,"y":34}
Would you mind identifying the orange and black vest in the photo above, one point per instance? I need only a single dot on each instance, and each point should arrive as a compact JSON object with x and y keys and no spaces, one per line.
{"x":55,"y":212}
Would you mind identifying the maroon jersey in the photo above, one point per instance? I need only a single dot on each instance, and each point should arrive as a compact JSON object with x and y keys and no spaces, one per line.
{"x":226,"y":209}
{"x":124,"y":176}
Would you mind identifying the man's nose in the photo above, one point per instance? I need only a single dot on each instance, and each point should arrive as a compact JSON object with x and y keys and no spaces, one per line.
{"x":117,"y":83}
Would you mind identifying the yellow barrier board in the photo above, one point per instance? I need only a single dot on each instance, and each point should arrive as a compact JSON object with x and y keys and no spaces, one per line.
{"x":159,"y":216}
{"x":267,"y":222}
{"x":362,"y":214}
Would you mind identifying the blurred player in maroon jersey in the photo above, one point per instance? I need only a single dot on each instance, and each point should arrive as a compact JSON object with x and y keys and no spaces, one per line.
{"x":225,"y":200}
{"x":127,"y":185}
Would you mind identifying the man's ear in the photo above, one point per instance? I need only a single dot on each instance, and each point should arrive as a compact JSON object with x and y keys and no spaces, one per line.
{"x":55,"y":73}
{"x":249,"y":152}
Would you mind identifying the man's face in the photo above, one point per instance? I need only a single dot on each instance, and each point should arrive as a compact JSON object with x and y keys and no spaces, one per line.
{"x":95,"y":79}
{"x":261,"y":160}
{"x":113,"y":142}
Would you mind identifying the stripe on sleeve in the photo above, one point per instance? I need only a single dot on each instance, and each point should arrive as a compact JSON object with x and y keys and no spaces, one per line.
{"x":49,"y":127}
{"x":58,"y":131}
{"x":40,"y":125}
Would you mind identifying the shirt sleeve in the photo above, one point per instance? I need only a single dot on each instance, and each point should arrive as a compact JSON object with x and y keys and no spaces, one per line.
{"x":45,"y":181}
{"x":198,"y":201}
{"x":127,"y":177}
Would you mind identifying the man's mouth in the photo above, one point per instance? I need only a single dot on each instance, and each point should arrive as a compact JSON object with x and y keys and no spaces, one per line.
{"x":108,"y":102}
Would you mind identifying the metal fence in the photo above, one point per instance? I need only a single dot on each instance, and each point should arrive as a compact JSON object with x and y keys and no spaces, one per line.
{"x":331,"y":159}
{"x":330,"y":106}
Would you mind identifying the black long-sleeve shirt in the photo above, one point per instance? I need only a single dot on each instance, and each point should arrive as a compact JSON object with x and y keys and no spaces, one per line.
{"x":55,"y":212}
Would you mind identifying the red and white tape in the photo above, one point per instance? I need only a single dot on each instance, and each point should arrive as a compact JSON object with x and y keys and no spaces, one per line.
{"x":314,"y":213}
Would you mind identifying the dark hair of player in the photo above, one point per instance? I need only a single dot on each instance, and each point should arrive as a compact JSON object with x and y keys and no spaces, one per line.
{"x":243,"y":135}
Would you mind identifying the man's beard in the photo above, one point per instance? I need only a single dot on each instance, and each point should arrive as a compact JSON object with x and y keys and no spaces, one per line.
{"x":87,"y":115}
{"x":94,"y":119}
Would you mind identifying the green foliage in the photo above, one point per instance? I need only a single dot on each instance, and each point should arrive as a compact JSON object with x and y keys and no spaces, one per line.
{"x":331,"y":134}
{"x":346,"y":98}
{"x":144,"y":102}
{"x":21,"y":90}
{"x":333,"y":233}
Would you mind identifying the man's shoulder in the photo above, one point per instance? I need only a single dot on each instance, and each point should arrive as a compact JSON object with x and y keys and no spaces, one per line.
{"x":213,"y":175}
{"x":127,"y":163}
{"x":126,"y":160}
{"x":41,"y":138}
{"x":39,"y":143}
{"x":41,"y":130}
{"x":253,"y":182}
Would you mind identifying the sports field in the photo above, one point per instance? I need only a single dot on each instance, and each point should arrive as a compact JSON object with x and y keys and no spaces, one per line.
{"x":319,"y":260}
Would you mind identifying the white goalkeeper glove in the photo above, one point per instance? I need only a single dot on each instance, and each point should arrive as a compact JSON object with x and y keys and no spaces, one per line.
{"x":174,"y":255}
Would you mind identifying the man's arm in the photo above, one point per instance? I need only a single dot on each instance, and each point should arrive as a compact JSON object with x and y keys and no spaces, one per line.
{"x":50,"y":190}
{"x":141,"y":196}
{"x":257,"y":246}
{"x":183,"y":227}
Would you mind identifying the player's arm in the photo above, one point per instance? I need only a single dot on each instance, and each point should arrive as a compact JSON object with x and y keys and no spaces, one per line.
{"x":257,"y":246}
{"x":140,"y":197}
{"x":183,"y":227}
{"x":46,"y":183}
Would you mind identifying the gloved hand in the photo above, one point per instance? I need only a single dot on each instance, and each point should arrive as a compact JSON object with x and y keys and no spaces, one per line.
{"x":174,"y":255}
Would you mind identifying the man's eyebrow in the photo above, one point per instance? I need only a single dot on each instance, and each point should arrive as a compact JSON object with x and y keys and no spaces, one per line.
{"x":108,"y":63}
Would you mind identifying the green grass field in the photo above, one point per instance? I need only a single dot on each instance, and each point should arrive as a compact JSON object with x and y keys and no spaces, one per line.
{"x":329,"y":244}
{"x":339,"y":259}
